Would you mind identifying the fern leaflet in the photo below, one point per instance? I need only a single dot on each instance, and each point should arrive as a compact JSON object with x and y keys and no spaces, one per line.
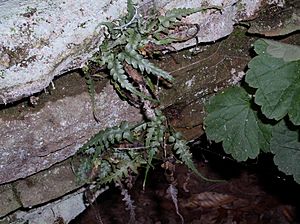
{"x":137,"y":61}
{"x":183,"y":151}
{"x":91,"y":89}
{"x":118,"y":74}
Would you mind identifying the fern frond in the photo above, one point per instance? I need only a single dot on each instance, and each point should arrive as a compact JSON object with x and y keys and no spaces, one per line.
{"x":117,"y":72}
{"x":137,"y":61}
{"x":130,"y":11}
{"x":172,"y":192}
{"x":183,"y":151}
{"x":128,"y":203}
{"x":154,"y":138}
{"x":119,"y":171}
{"x":133,"y":38}
{"x":176,"y":14}
{"x":105,"y":138}
{"x":91,"y":89}
{"x":105,"y":169}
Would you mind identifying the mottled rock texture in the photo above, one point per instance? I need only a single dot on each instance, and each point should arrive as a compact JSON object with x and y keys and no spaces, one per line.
{"x":43,"y":39}
{"x":38,"y":140}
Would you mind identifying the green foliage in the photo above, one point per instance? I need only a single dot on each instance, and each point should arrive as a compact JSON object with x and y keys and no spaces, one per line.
{"x":285,"y":145}
{"x":247,"y":122}
{"x":138,"y":62}
{"x":109,"y":136}
{"x":174,"y":15}
{"x":112,"y":155}
{"x":103,"y":162}
{"x":91,"y":88}
{"x":231,"y":120}
{"x":277,"y":82}
{"x":126,"y":39}
{"x":182,"y":150}
{"x":155,"y":131}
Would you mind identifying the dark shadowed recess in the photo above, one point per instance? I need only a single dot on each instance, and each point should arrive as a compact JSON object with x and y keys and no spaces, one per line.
{"x":254,"y":192}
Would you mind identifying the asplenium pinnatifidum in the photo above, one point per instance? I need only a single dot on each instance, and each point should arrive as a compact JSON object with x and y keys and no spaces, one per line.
{"x":115,"y":153}
{"x":275,"y":76}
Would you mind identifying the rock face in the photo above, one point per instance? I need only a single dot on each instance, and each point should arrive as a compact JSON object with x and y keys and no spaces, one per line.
{"x":197,"y":77}
{"x":38,"y":140}
{"x":43,"y":39}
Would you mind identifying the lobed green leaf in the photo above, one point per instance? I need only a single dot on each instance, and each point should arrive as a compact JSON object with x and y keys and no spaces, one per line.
{"x":277,"y":80}
{"x":231,"y":120}
{"x":285,"y":145}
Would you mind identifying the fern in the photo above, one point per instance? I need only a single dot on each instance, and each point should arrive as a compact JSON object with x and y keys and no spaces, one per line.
{"x":131,"y":73}
{"x":118,"y":75}
{"x":118,"y":172}
{"x":154,"y":138}
{"x":128,"y":202}
{"x":121,"y":162}
{"x":107,"y":137}
{"x":108,"y":164}
{"x":173,"y":192}
{"x":137,"y":61}
{"x":175,"y":15}
{"x":130,"y":11}
{"x":91,"y":89}
{"x":183,"y":151}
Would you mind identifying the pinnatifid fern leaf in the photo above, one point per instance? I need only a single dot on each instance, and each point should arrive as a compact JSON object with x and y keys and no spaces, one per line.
{"x":154,"y":137}
{"x":130,"y":11}
{"x":117,"y":73}
{"x":173,"y":192}
{"x":133,"y":58}
{"x":105,"y":163}
{"x":91,"y":88}
{"x":119,"y":171}
{"x":174,"y":15}
{"x":107,"y":137}
{"x":183,"y":151}
{"x":115,"y":166}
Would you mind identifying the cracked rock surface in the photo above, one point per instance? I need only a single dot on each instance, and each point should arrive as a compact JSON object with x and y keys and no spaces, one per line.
{"x":36,"y":141}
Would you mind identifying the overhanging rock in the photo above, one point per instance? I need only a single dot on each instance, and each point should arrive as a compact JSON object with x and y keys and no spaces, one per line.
{"x":43,"y":39}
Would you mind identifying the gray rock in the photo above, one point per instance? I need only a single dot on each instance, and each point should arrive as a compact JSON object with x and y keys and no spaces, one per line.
{"x":9,"y":200}
{"x":46,"y":186}
{"x":59,"y":211}
{"x":43,"y":39}
{"x":38,"y":140}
